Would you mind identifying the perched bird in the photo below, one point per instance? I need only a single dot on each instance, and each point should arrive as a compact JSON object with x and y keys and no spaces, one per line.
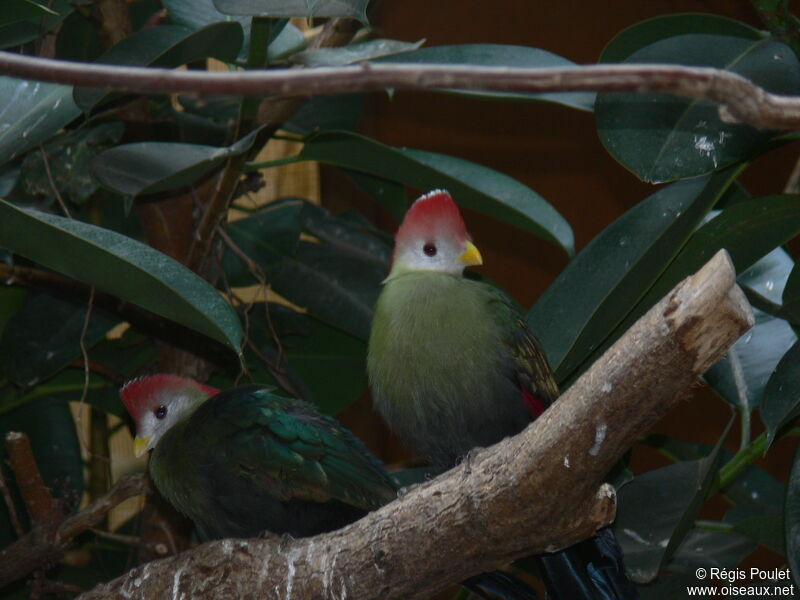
{"x":453,"y":366}
{"x":246,"y":461}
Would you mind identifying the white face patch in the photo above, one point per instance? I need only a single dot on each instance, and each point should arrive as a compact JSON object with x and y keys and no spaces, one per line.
{"x":174,"y":408}
{"x":436,"y":254}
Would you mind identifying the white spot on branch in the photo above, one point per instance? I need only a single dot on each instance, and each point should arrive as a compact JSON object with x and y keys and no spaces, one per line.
{"x":599,"y":438}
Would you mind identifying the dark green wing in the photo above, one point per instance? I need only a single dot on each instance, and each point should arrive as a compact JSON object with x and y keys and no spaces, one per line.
{"x":531,"y":369}
{"x":286,"y":449}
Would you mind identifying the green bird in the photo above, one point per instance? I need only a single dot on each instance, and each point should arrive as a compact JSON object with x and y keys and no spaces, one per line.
{"x":245,"y":461}
{"x":454,"y":366}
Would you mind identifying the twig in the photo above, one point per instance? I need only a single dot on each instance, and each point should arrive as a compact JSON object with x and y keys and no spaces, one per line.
{"x":740,"y":99}
{"x":515,"y":498}
{"x":39,"y":502}
{"x":52,"y":182}
{"x":44,"y":544}
{"x":12,"y":509}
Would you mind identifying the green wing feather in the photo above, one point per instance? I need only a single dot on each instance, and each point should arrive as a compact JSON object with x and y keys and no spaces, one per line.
{"x":286,"y":448}
{"x":532,"y":370}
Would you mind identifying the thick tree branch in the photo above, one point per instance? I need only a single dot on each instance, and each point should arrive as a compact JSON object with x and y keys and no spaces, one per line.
{"x":45,"y":543}
{"x":537,"y":491}
{"x":739,"y":98}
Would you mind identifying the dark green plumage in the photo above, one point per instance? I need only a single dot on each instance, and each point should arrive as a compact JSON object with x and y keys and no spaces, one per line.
{"x":247,"y":461}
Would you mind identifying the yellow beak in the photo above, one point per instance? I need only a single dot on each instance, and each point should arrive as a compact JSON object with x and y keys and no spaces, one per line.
{"x":471,"y":256}
{"x":140,"y":445}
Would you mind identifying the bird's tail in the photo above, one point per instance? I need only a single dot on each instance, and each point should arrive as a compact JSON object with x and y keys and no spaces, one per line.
{"x":590,"y":570}
{"x":500,"y":585}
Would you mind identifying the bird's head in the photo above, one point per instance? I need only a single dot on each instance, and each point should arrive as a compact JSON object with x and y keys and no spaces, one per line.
{"x":157,"y":402}
{"x":433,"y":237}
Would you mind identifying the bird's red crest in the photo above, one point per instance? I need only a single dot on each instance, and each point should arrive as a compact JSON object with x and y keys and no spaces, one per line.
{"x":432,"y":214}
{"x":139,"y":394}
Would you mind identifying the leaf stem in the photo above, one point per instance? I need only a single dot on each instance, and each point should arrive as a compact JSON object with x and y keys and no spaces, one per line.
{"x":746,"y":456}
{"x":266,"y":164}
{"x":713,"y":526}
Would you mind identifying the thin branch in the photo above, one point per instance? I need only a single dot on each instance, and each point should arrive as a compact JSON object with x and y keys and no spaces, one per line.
{"x":11,"y":507}
{"x":41,"y":505}
{"x":44,"y":544}
{"x":740,"y":99}
{"x":530,"y":493}
{"x":52,"y":182}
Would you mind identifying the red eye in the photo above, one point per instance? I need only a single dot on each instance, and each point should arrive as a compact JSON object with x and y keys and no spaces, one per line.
{"x":429,"y":249}
{"x":160,"y":412}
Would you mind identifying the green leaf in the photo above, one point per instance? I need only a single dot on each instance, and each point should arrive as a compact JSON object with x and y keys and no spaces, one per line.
{"x":166,"y":46}
{"x":68,"y":160}
{"x":781,"y":401}
{"x":637,"y":36}
{"x":353,"y":53}
{"x":660,"y":137}
{"x":500,"y":55}
{"x":791,"y":296}
{"x":607,"y":279}
{"x":792,"y":519}
{"x":327,"y":112}
{"x":44,"y":337}
{"x":711,"y":549}
{"x":741,"y":376}
{"x":22,"y":21}
{"x":472,"y":185}
{"x":348,"y":9}
{"x":121,"y":266}
{"x":31,"y":112}
{"x":767,"y":530}
{"x":324,"y":364}
{"x":657,"y":509}
{"x":747,"y":230}
{"x":49,"y":425}
{"x":389,"y":194}
{"x":150,"y":167}
{"x":267,"y":237}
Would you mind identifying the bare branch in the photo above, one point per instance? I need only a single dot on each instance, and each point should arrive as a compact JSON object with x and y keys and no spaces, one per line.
{"x":42,"y":507}
{"x":44,"y":544}
{"x":536,"y":491}
{"x":740,"y":99}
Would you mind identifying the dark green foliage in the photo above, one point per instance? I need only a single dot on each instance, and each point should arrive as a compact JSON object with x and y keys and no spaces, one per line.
{"x":109,"y":168}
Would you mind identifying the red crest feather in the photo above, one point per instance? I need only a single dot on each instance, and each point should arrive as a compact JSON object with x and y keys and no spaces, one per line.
{"x":432,"y":214}
{"x":139,"y":394}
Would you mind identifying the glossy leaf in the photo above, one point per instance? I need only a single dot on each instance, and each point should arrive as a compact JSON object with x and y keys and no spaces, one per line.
{"x":781,"y":402}
{"x":348,"y":9}
{"x":31,"y":112}
{"x":353,"y":53}
{"x":662,"y":138}
{"x":792,"y":519}
{"x":741,"y":376}
{"x":711,"y":549}
{"x":324,"y":364}
{"x":584,"y":304}
{"x":500,"y":55}
{"x":50,"y":427}
{"x":150,"y":167}
{"x":637,"y":36}
{"x":748,"y":231}
{"x":319,"y":113}
{"x":791,"y":296}
{"x":657,"y":509}
{"x":44,"y":337}
{"x":166,"y":46}
{"x":389,"y":194}
{"x":472,"y":185}
{"x":334,"y":284}
{"x":22,"y":21}
{"x":121,"y":266}
{"x":68,"y":162}
{"x":268,"y":238}
{"x":767,"y":530}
